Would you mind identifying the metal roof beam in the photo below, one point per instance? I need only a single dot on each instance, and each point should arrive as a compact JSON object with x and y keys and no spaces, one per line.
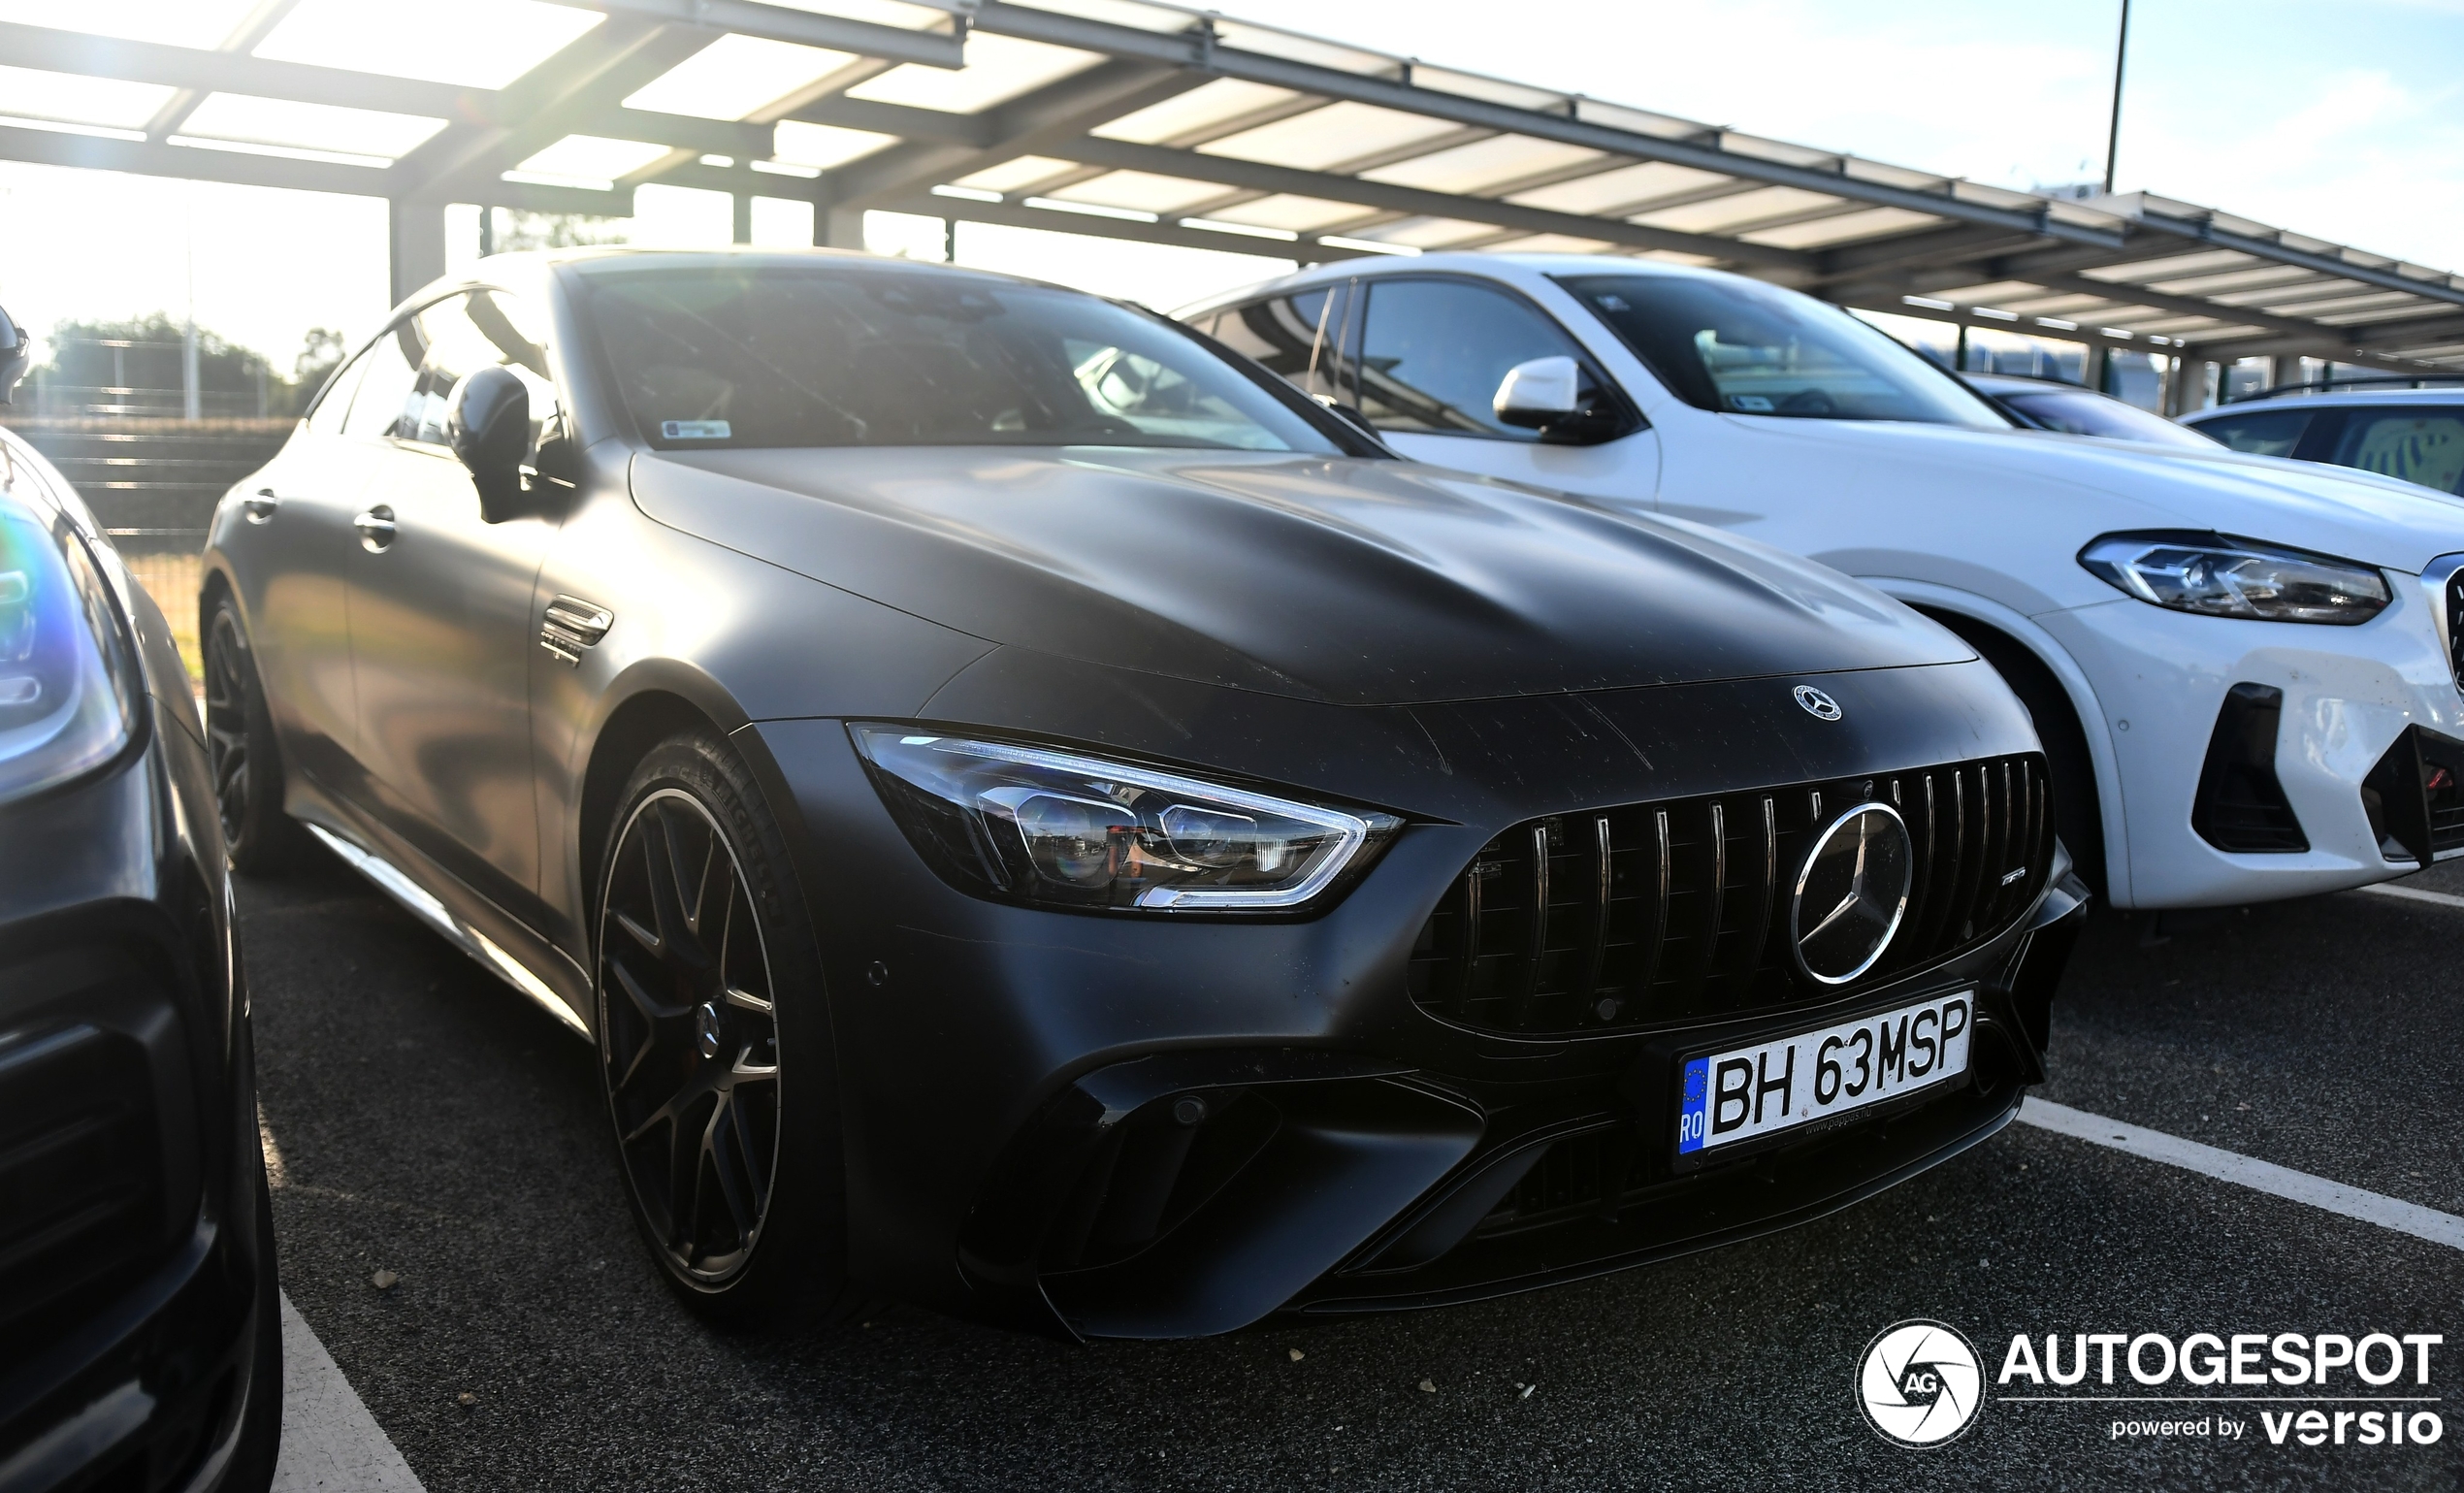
{"x":933,"y":125}
{"x":229,"y":71}
{"x":149,"y":158}
{"x":1883,"y":259}
{"x":1198,"y":50}
{"x":2256,"y":247}
{"x":1259,"y":175}
{"x":1306,"y":249}
{"x":1028,"y":125}
{"x":582,"y":81}
{"x":244,"y":38}
{"x":807,"y":28}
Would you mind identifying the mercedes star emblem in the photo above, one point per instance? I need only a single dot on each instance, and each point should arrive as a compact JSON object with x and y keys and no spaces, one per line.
{"x":1821,"y":706}
{"x":1852,"y":894}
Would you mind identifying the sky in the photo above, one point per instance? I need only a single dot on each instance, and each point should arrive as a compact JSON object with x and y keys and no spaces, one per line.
{"x":2342,"y":120}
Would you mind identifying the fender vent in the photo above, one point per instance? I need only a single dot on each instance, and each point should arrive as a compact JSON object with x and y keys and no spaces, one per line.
{"x":573,"y":624}
{"x":1655,"y":913}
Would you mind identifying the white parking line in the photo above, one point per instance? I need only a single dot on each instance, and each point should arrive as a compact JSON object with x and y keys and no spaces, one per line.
{"x":2259,"y":1176}
{"x":2410,"y":895}
{"x":330,"y":1443}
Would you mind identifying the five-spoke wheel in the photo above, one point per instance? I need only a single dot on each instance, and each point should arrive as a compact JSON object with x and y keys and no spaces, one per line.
{"x":688,"y":1036}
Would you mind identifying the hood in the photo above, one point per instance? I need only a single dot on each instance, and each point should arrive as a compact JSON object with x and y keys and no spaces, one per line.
{"x":2333,"y":510}
{"x":1336,"y":579}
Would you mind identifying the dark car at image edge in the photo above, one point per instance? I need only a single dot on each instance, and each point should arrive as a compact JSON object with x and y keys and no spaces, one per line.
{"x":139,"y":1342}
{"x":1043,"y":819}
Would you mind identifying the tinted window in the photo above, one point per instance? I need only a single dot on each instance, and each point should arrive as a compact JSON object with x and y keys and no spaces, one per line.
{"x":2274,"y":434}
{"x":392,"y":363}
{"x":790,"y":356}
{"x":463,"y":334}
{"x":1433,"y":352}
{"x":1744,"y":349}
{"x":2082,"y":413}
{"x":334,"y":402}
{"x":2418,"y":446}
{"x":1298,"y":336}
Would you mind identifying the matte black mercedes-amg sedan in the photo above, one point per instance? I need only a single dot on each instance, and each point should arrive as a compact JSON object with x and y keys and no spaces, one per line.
{"x":1041,"y":819}
{"x":140,"y":1337}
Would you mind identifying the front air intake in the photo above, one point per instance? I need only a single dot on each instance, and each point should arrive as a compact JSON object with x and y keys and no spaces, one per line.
{"x":2240,"y":806}
{"x":1663,"y":914}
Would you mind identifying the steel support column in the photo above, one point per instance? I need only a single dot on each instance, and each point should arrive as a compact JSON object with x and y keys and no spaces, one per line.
{"x":415,"y":244}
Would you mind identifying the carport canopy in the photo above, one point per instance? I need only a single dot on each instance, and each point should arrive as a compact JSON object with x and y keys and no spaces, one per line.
{"x":1137,"y":120}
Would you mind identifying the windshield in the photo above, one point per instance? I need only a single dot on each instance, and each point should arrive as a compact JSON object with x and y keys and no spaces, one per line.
{"x":1745,"y":348}
{"x":774,"y":355}
{"x":2082,"y":413}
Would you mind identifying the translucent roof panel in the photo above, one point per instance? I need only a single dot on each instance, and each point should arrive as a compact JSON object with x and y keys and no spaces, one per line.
{"x":1483,"y":163}
{"x":919,"y":17}
{"x":1429,"y":233}
{"x":1741,"y":207}
{"x":106,"y":101}
{"x":1330,"y":136}
{"x":1120,"y":13}
{"x":201,"y":23}
{"x":1196,"y":114}
{"x":999,"y":68}
{"x":1300,"y":214}
{"x":1141,"y":190}
{"x":1840,"y":228}
{"x":735,"y":76}
{"x":586,"y":160}
{"x":309,"y":127}
{"x":1610,"y":190}
{"x":1014,"y":176}
{"x":826,"y":144}
{"x":476,"y":43}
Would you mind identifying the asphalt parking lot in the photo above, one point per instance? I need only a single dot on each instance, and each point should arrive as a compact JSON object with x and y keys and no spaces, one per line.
{"x":433,"y":1124}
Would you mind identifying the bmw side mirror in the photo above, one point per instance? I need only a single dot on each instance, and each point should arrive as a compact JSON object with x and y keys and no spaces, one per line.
{"x":1546,"y":395}
{"x":15,"y":354}
{"x":1536,"y":395}
{"x":489,"y":427}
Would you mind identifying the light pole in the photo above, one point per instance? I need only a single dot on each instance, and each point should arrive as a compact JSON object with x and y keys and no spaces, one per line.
{"x":2113,"y":133}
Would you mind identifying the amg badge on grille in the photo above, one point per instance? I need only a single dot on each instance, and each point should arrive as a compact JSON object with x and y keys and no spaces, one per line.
{"x":1852,"y":894}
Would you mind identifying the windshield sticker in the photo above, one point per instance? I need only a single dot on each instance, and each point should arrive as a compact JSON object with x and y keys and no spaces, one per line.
{"x":695,"y":430}
{"x":1752,"y":404}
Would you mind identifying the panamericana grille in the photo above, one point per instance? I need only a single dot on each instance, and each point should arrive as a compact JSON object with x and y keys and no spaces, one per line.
{"x":81,"y":1187}
{"x":1665,"y":913}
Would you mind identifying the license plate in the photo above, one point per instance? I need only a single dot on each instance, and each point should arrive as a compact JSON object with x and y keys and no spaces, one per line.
{"x":1734,"y":1096}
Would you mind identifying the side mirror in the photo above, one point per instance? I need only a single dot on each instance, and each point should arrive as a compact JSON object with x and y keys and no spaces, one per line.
{"x":1539,"y":394}
{"x":15,"y":355}
{"x":488,"y":425}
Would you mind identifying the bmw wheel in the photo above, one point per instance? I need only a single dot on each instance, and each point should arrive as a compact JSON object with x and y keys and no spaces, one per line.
{"x":714,"y":1049}
{"x":247,"y":766}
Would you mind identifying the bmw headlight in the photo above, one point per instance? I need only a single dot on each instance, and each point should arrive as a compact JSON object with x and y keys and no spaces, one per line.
{"x":2217,"y":575}
{"x":1033,"y":825}
{"x":65,"y":702}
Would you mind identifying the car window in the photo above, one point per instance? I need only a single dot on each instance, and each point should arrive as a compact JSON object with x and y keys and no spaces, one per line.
{"x":334,"y":402}
{"x":466,"y":333}
{"x":1299,"y":336}
{"x":2419,"y":445}
{"x":1433,"y":352}
{"x":767,"y":355}
{"x":1746,"y":348}
{"x":2273,"y":433}
{"x":2082,"y":413}
{"x":391,"y":364}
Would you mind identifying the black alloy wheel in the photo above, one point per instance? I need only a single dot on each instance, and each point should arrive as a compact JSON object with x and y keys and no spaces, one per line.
{"x":698,"y":953}
{"x":248,"y":772}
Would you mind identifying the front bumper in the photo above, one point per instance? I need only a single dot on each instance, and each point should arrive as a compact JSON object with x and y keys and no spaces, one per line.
{"x":2347,"y":695}
{"x":134,"y":1263}
{"x":1160,"y":1128}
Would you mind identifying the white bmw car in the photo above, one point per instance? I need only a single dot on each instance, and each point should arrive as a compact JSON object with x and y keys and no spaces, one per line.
{"x":2244,"y":668}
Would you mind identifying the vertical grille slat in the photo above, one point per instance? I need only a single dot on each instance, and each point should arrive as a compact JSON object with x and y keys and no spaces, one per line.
{"x":1677,"y":911}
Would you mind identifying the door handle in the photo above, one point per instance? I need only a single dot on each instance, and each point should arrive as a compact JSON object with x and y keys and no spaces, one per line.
{"x":376,"y":528}
{"x":260,"y":509}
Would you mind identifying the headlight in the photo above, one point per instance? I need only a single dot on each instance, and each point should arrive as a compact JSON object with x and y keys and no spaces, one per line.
{"x":1064,"y":831}
{"x":64,"y":701}
{"x":2219,"y":575}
